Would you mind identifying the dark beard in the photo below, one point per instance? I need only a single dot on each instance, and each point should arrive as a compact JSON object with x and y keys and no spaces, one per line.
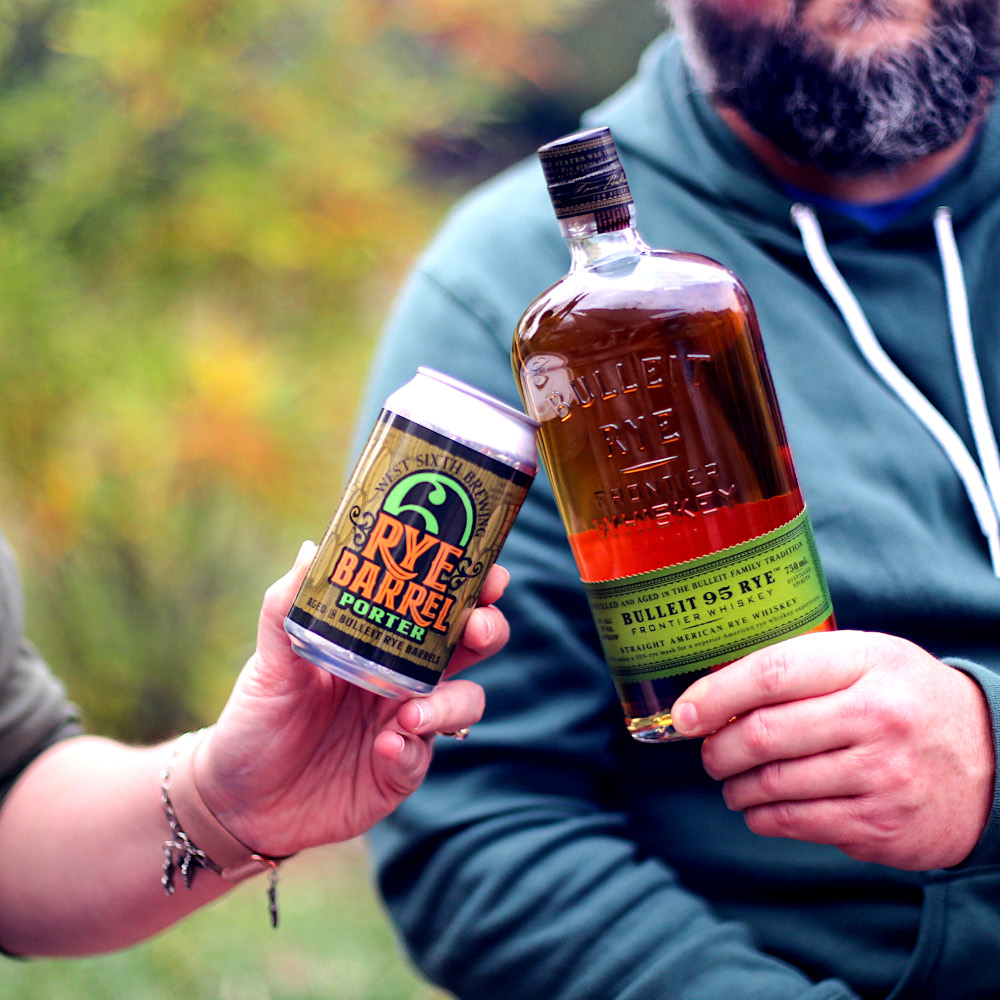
{"x":850,"y":117}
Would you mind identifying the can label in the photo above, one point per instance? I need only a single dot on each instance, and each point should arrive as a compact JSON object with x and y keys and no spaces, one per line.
{"x":403,"y":561}
{"x":712,"y":610}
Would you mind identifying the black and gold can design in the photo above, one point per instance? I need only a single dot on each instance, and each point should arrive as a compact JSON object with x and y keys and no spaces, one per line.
{"x":423,"y":517}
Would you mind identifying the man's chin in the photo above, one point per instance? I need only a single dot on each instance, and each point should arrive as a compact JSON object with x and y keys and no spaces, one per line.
{"x":846,"y":116}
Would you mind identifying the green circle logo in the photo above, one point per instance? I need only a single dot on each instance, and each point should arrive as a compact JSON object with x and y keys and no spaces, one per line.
{"x":431,"y":496}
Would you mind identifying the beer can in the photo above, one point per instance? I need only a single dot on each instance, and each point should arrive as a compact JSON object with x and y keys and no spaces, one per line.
{"x":423,"y":517}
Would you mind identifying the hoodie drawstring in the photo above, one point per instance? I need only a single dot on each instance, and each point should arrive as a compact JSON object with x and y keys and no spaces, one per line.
{"x":981,"y":484}
{"x":965,"y":353}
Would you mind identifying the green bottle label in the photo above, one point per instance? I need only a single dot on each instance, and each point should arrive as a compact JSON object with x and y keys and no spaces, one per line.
{"x":711,"y":610}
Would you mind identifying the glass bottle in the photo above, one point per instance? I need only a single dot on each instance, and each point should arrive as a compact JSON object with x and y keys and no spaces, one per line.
{"x":661,"y":435}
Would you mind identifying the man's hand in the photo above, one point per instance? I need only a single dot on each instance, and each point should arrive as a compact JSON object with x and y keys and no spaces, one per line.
{"x":856,"y":739}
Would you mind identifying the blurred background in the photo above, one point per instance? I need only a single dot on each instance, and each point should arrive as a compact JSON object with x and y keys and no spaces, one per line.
{"x":205,"y":209}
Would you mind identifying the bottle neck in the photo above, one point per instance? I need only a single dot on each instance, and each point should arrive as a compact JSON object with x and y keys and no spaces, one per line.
{"x":589,"y":247}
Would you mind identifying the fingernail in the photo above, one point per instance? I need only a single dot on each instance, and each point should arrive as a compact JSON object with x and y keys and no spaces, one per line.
{"x":684,"y":716}
{"x":423,"y":714}
{"x":489,"y":628}
{"x":506,"y":575}
{"x":401,"y":746}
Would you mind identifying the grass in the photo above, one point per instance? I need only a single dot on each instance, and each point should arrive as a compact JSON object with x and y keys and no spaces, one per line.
{"x":334,"y":943}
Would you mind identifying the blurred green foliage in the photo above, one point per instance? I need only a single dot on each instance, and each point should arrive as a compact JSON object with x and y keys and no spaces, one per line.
{"x":205,"y":207}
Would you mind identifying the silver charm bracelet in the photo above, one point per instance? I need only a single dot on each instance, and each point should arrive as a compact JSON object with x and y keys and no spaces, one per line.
{"x":226,"y":856}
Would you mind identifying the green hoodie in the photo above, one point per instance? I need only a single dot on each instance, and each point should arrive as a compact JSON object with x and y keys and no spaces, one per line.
{"x":550,"y":856}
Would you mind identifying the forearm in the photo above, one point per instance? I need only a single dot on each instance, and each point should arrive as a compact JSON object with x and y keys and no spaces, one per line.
{"x":81,"y":852}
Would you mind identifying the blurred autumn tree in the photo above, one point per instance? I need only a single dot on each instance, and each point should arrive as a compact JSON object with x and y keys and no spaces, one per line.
{"x":205,"y":206}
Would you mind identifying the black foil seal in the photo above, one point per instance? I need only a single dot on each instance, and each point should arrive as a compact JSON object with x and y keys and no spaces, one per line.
{"x":585,"y":177}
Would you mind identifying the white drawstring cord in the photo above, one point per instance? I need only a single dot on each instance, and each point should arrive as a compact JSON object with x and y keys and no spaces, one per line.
{"x":983,"y":503}
{"x":965,"y":353}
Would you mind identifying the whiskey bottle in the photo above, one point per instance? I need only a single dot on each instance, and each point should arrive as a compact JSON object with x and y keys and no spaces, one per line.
{"x":662,"y":438}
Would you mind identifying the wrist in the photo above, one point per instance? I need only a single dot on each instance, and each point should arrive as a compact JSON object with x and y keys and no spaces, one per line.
{"x":217,"y":785}
{"x":233,"y":859}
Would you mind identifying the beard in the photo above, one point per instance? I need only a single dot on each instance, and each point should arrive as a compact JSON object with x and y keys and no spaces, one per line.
{"x":848,"y":114}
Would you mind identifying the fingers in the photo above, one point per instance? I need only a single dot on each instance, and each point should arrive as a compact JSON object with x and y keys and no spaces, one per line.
{"x":406,"y":754}
{"x":404,"y":759}
{"x":275,"y":665}
{"x":486,"y":632}
{"x":279,"y":596}
{"x":804,"y":667}
{"x":282,"y":592}
{"x":842,"y":822}
{"x":453,"y":705}
{"x":486,"y":629}
{"x":829,"y":775}
{"x":780,"y":732}
{"x":495,"y":584}
{"x":866,"y":827}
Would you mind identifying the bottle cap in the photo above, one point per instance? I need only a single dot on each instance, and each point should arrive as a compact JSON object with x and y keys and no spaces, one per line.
{"x":585,"y":176}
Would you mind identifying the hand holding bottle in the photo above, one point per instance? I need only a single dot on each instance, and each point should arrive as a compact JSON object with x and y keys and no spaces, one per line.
{"x":856,"y":739}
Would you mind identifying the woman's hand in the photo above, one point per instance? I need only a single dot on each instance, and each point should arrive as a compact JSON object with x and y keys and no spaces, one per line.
{"x":300,"y":757}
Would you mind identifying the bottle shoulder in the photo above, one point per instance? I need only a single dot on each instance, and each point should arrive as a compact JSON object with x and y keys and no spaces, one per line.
{"x":667,"y":282}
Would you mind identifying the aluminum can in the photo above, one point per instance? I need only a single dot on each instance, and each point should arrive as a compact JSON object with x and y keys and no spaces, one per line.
{"x":423,"y":517}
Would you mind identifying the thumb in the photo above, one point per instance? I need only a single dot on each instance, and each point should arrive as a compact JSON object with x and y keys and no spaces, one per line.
{"x":404,"y":760}
{"x":278,"y":599}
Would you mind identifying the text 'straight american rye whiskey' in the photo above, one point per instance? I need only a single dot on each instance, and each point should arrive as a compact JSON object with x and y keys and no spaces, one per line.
{"x":662,"y":438}
{"x":421,"y":521}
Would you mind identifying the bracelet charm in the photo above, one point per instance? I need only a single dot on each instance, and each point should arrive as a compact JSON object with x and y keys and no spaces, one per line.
{"x":232,"y":860}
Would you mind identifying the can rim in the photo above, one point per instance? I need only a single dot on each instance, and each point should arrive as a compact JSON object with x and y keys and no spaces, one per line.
{"x":485,"y":397}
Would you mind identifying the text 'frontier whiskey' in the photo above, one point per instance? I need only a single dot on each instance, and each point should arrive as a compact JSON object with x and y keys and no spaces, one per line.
{"x":662,"y":438}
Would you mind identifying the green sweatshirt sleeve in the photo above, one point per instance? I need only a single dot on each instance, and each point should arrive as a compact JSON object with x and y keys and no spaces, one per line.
{"x":512,"y":872}
{"x":987,"y":851}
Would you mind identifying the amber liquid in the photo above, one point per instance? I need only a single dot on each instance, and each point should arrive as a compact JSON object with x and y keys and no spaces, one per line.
{"x":659,"y":426}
